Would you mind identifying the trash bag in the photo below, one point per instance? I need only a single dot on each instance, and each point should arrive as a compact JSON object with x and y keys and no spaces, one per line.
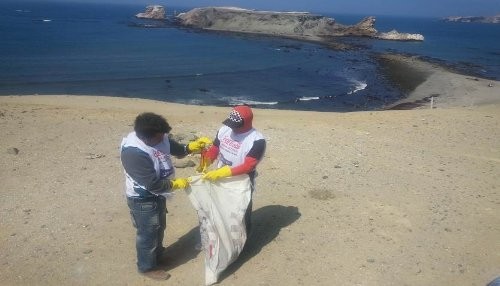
{"x":221,"y":208}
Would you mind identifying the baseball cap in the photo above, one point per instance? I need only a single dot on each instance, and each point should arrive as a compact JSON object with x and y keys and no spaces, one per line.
{"x":239,"y":118}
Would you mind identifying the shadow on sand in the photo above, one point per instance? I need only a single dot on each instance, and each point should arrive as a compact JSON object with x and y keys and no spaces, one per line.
{"x":266,"y":223}
{"x":182,"y":250}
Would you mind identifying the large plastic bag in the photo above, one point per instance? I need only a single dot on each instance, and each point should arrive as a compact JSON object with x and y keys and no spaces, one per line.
{"x":221,"y":208}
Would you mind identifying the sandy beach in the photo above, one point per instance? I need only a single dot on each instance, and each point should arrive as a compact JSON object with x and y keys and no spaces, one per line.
{"x":393,"y":197}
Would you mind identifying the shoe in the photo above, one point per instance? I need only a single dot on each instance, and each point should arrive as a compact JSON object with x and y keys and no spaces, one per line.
{"x":156,"y":274}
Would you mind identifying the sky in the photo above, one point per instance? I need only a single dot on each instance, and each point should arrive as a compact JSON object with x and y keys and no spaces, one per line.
{"x":420,"y":8}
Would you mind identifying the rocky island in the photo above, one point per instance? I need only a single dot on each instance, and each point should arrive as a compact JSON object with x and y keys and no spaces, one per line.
{"x":154,"y":12}
{"x":299,"y":25}
{"x":474,"y":19}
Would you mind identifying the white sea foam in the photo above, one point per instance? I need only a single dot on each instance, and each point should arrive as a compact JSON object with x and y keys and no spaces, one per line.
{"x":238,"y":101}
{"x":195,"y":102}
{"x":307,"y":98}
{"x":358,"y":85}
{"x":46,"y":20}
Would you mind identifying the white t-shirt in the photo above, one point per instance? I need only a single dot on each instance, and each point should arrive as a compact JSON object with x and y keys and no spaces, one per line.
{"x":234,"y":147}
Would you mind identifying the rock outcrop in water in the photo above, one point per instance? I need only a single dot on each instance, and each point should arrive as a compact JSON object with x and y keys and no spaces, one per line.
{"x":474,"y":19}
{"x":155,"y":12}
{"x":395,"y":35}
{"x":301,"y":25}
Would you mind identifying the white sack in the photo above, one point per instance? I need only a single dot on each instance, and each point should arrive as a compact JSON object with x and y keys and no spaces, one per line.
{"x":221,"y":208}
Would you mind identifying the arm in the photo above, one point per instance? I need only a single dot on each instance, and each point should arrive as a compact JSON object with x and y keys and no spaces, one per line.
{"x":196,"y":146}
{"x":252,"y":159}
{"x":177,"y":149}
{"x":140,"y":167}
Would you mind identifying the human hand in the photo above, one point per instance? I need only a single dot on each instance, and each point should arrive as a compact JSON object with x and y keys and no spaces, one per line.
{"x":222,"y":172}
{"x":180,"y":183}
{"x":199,"y":144}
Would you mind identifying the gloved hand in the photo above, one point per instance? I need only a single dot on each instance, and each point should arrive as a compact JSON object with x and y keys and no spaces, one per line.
{"x":199,"y":144}
{"x":180,"y":183}
{"x":204,"y":163}
{"x":222,"y":172}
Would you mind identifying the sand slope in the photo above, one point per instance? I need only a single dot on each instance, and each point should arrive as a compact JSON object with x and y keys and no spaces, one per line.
{"x":368,"y":198}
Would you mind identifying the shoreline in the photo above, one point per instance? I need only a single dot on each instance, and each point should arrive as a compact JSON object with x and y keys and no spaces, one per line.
{"x":425,"y":83}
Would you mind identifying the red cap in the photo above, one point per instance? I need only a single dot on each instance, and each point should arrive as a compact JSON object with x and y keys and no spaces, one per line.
{"x":240,"y":119}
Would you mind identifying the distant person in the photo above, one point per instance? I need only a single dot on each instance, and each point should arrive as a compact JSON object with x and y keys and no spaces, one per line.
{"x":239,"y":148}
{"x":149,"y":173}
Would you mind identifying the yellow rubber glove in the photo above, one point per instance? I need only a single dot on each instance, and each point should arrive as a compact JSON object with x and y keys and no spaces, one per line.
{"x":199,"y":144}
{"x":204,"y":163}
{"x":180,"y":183}
{"x":222,"y":172}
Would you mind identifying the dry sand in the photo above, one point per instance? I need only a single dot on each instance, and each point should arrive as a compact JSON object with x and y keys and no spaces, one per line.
{"x":397,"y":197}
{"x":427,"y":82}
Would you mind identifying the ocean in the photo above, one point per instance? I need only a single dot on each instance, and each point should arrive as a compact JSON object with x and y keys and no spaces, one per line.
{"x":101,"y":49}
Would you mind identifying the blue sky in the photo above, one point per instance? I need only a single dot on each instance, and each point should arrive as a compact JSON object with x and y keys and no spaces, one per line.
{"x":432,"y":8}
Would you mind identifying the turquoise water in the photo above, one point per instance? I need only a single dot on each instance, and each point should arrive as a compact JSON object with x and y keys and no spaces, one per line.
{"x":99,"y":49}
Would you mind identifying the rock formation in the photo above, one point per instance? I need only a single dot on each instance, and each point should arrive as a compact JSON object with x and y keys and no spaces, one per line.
{"x":301,"y":25}
{"x":474,"y":19}
{"x":155,"y":12}
{"x":395,"y":35}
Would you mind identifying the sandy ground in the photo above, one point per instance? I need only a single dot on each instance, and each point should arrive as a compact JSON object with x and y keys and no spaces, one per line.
{"x":397,"y":197}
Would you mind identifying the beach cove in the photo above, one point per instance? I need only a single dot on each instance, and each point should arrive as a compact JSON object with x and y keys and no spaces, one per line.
{"x":394,"y":197}
{"x":100,"y":49}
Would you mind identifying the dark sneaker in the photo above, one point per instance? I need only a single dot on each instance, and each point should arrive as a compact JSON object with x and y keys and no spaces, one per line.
{"x":157,"y":274}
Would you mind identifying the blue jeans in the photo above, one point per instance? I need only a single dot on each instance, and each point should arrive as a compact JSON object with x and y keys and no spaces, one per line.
{"x":149,"y":218}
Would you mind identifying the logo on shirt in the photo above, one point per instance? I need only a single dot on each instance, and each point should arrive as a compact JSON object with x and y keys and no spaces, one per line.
{"x":230,"y":145}
{"x":160,"y":155}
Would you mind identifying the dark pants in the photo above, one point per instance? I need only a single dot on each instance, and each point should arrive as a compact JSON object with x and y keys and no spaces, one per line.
{"x":248,"y":213}
{"x":248,"y":217}
{"x":149,"y":218}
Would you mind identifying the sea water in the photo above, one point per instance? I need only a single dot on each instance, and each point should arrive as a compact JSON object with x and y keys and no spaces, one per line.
{"x":101,"y":49}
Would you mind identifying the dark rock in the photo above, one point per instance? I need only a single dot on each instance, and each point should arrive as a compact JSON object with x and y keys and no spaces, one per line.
{"x":13,"y":151}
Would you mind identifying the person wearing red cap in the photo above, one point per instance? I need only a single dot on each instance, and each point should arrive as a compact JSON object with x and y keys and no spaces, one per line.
{"x":239,"y":148}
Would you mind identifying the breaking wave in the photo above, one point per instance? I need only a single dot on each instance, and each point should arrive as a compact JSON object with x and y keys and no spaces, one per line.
{"x":308,"y":98}
{"x":358,"y":85}
{"x":239,"y":101}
